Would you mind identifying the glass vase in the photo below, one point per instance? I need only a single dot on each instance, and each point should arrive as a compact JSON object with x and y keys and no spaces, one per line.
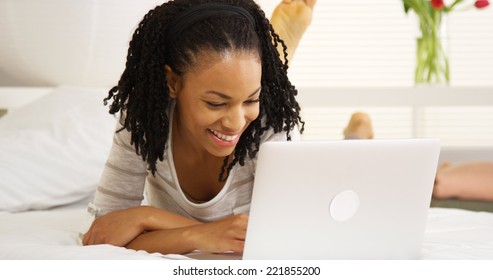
{"x":432,"y":65}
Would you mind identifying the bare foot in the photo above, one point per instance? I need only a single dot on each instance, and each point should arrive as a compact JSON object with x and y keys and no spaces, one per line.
{"x":359,"y":127}
{"x":290,"y":20}
{"x":471,"y":180}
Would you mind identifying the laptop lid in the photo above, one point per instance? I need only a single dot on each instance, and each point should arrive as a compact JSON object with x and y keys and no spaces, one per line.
{"x":348,"y":199}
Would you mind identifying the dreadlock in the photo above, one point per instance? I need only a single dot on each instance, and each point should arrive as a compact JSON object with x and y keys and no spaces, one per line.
{"x":142,"y":94}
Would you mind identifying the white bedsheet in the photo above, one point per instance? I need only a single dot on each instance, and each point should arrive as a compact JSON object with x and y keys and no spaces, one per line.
{"x":52,"y":234}
{"x":458,"y":234}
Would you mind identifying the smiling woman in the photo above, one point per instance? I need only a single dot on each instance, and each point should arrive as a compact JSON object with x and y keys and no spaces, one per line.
{"x":196,"y":101}
{"x":213,"y":111}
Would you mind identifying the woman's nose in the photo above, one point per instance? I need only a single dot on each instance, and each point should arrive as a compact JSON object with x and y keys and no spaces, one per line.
{"x":235,"y":119}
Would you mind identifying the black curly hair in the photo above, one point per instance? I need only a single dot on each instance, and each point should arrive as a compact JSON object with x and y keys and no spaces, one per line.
{"x":142,"y":93}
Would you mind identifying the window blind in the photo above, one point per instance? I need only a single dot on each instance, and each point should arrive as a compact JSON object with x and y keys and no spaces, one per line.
{"x":373,"y":43}
{"x":360,"y":45}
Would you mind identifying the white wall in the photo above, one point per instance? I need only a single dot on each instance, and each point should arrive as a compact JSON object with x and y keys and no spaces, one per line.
{"x":53,"y":42}
{"x":7,"y":80}
{"x":353,"y":46}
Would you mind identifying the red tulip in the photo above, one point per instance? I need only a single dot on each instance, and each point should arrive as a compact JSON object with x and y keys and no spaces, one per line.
{"x":481,"y":3}
{"x":439,"y":4}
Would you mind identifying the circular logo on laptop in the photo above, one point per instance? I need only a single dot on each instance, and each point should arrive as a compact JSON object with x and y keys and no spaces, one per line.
{"x":344,"y":205}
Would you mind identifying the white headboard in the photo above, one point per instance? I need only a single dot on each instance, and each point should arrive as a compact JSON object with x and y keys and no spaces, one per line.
{"x":67,"y":42}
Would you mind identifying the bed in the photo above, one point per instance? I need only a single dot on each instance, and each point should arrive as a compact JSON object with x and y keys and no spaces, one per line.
{"x":52,"y":151}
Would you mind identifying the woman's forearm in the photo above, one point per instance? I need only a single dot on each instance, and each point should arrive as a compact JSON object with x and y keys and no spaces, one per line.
{"x":165,"y":241}
{"x":121,"y":227}
{"x":156,"y":219}
{"x":165,"y":232}
{"x":226,"y":235}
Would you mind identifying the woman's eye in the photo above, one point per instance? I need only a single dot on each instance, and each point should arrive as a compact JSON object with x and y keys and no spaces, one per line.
{"x":253,"y":101}
{"x":215,"y":104}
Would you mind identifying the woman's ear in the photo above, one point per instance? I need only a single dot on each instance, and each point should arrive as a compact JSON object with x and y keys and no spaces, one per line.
{"x":173,"y":80}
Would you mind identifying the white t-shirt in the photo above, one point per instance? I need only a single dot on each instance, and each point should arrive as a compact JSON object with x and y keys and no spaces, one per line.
{"x":125,"y":178}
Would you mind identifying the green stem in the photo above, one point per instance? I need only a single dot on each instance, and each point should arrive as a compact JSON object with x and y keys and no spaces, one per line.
{"x":432,"y":63}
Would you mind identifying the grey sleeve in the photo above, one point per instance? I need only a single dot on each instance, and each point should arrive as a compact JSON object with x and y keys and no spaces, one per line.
{"x":123,"y":179}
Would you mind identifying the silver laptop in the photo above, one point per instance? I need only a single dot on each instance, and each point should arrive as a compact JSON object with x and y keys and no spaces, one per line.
{"x":348,"y":199}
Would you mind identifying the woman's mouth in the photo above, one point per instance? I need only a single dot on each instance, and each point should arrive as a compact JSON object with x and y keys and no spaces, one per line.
{"x":224,"y":137}
{"x":224,"y":140}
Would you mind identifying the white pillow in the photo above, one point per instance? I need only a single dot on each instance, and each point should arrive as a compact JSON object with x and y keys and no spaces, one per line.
{"x":52,"y":151}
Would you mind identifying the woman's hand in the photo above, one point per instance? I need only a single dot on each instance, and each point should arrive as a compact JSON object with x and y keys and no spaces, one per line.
{"x":116,"y":228}
{"x":222,"y":236}
{"x":290,"y":20}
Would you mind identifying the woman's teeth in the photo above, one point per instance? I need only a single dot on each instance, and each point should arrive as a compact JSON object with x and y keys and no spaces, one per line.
{"x":221,"y":136}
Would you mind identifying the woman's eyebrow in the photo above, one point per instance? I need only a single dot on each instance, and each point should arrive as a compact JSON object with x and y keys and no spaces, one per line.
{"x":227,"y":97}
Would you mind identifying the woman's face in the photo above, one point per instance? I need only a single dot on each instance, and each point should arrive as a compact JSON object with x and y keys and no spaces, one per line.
{"x":215,"y":102}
